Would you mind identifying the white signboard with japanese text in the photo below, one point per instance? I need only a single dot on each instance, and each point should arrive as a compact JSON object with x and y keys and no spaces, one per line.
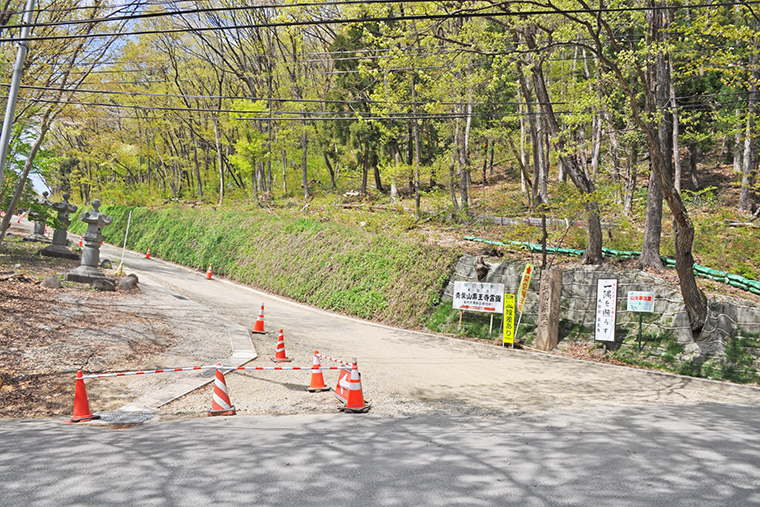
{"x":479,"y":297}
{"x":640,"y":301}
{"x":606,"y":304}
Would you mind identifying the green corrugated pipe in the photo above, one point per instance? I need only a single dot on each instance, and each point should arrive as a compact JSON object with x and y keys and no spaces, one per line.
{"x":738,"y":281}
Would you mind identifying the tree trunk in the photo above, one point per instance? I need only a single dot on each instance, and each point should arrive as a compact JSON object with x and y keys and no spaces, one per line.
{"x":304,"y":175}
{"x":485,"y":164}
{"x":695,"y":152}
{"x":254,"y":180}
{"x":657,"y":100}
{"x":365,"y":170}
{"x":523,"y":155}
{"x":284,"y":170}
{"x":593,"y":252}
{"x":738,"y":150}
{"x":674,"y":109}
{"x":330,"y":170}
{"x":220,"y":161}
{"x":416,"y":134}
{"x":631,"y":171}
{"x":650,"y":247}
{"x":378,"y":182}
{"x":23,"y":177}
{"x":750,"y":159}
{"x":694,"y":301}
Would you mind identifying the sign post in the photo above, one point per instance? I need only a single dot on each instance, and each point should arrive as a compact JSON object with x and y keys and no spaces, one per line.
{"x":522,"y":293}
{"x":509,"y":320}
{"x":640,"y":302}
{"x":479,"y":297}
{"x":606,"y":303}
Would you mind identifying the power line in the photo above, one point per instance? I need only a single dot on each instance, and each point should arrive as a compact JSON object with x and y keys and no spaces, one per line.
{"x":422,"y":17}
{"x":264,"y":99}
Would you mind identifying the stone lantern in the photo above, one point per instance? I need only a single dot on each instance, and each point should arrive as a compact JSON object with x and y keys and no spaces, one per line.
{"x":60,"y":240}
{"x":88,"y":271}
{"x":39,"y":225}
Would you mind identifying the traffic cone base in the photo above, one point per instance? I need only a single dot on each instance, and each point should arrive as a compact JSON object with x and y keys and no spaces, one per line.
{"x":317,"y":379}
{"x":220,"y":400}
{"x":258,"y":326}
{"x":81,"y":405}
{"x":280,"y":356}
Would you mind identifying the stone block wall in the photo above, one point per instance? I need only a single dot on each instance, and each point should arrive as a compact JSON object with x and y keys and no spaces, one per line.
{"x":727,"y":317}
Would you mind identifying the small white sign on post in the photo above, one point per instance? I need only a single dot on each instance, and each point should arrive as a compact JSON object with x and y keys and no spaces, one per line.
{"x":606,"y":303}
{"x":641,"y":302}
{"x":479,"y":297}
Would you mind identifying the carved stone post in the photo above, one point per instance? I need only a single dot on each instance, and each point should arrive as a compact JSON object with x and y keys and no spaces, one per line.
{"x":547,"y":332}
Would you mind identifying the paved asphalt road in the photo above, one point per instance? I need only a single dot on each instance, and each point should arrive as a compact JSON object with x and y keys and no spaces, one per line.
{"x":542,"y":431}
{"x":702,"y":455}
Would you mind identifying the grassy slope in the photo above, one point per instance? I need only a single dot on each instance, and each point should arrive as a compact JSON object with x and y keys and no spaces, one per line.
{"x":327,"y":264}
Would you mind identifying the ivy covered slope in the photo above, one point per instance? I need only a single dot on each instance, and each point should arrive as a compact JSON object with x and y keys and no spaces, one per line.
{"x":330,"y":265}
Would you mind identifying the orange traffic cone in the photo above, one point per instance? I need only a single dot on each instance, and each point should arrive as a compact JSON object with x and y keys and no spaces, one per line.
{"x":81,"y":405}
{"x":147,"y":254}
{"x":355,"y":403}
{"x":317,"y":380}
{"x":258,"y":326}
{"x":208,"y":273}
{"x":220,"y":401}
{"x":280,"y":356}
{"x":81,"y":239}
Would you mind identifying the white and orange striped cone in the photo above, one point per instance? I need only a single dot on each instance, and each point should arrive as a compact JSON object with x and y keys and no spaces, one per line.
{"x":208,"y":273}
{"x":220,"y":400}
{"x":81,"y":405}
{"x":147,"y":254}
{"x":258,"y":326}
{"x":355,"y":403}
{"x":81,"y":240}
{"x":280,"y":356}
{"x":317,"y":380}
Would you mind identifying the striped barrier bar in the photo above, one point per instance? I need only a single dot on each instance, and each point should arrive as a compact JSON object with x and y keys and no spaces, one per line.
{"x":273,"y":368}
{"x":346,"y":363}
{"x":146,"y":372}
{"x":209,"y":367}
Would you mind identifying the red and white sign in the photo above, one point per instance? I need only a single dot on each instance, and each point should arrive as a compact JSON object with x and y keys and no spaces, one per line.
{"x":479,"y":297}
{"x":640,"y":302}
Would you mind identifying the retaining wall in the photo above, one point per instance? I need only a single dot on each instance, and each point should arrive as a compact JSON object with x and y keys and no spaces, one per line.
{"x":727,"y":316}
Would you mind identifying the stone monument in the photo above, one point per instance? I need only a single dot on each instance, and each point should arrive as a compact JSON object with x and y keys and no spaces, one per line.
{"x":547,"y":330}
{"x":39,"y":225}
{"x":60,"y":240}
{"x":88,"y":271}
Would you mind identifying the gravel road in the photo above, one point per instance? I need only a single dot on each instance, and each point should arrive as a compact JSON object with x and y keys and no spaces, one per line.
{"x":406,"y":372}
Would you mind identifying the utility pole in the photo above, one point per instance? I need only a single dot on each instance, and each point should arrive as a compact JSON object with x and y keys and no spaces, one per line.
{"x":10,"y":109}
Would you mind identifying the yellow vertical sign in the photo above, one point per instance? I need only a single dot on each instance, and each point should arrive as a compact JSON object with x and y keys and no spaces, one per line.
{"x":509,"y":318}
{"x":524,"y":286}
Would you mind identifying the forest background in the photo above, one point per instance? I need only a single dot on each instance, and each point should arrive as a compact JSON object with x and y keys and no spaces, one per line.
{"x":434,"y":114}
